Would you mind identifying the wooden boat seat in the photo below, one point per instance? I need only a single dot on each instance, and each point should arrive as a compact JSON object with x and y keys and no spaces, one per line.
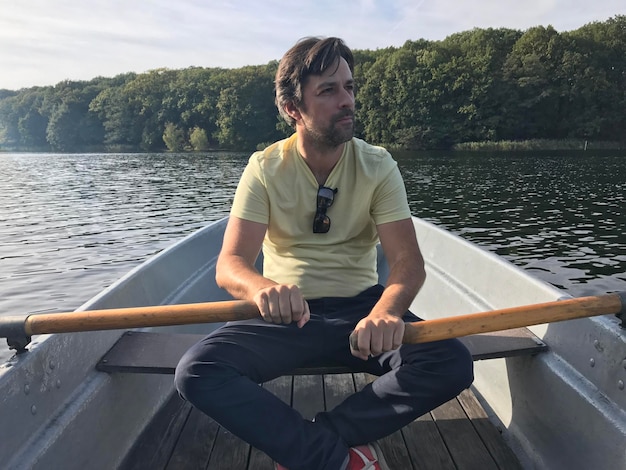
{"x":159,"y":353}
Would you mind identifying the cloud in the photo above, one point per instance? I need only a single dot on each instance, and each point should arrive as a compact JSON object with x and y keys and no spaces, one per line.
{"x":45,"y":41}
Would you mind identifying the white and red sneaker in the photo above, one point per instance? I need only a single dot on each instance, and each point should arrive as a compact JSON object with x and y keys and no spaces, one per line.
{"x":365,"y":457}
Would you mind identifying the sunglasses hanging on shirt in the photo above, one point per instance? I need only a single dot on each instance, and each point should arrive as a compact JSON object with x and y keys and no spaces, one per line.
{"x":325,"y":198}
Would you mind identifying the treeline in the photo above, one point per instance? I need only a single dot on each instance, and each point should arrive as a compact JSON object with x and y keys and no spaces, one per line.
{"x":475,"y":86}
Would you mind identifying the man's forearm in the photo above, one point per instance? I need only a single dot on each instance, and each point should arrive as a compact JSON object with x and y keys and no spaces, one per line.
{"x":405,"y":280}
{"x":238,"y":278}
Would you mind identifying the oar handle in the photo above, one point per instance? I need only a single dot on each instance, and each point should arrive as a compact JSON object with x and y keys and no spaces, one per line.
{"x":507,"y":318}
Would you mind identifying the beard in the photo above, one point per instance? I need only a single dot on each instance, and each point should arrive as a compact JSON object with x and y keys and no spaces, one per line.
{"x":335,"y":134}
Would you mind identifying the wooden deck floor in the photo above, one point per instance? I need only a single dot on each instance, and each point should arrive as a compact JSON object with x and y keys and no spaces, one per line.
{"x":457,"y":435}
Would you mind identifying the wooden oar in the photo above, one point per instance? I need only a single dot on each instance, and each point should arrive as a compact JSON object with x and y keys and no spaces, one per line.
{"x":19,"y":329}
{"x":513,"y":317}
{"x":25,"y":326}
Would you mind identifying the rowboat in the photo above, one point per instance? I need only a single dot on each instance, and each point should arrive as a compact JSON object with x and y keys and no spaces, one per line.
{"x":563,"y":407}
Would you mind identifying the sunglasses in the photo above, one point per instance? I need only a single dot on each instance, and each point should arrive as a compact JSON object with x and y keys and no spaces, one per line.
{"x":325,"y":198}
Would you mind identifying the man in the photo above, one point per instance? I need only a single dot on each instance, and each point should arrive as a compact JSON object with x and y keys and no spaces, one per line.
{"x":317,"y":203}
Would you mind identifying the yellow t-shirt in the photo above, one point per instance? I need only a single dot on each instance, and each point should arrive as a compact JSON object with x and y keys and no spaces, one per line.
{"x":277,"y":188}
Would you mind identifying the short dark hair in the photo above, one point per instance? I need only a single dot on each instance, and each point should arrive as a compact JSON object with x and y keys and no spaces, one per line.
{"x":310,"y":56}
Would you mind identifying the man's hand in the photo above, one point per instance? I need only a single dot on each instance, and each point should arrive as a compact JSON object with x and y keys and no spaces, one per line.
{"x":282,"y":303}
{"x":376,"y":334}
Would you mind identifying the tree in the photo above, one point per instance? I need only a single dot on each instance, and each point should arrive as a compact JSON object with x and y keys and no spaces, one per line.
{"x":193,"y":96}
{"x":603,"y":45}
{"x":483,"y":97}
{"x":32,"y":128}
{"x":174,"y":137}
{"x":118,"y":114}
{"x":246,"y":110}
{"x":533,"y":74}
{"x":145,"y":95}
{"x":72,"y":126}
{"x":198,"y":139}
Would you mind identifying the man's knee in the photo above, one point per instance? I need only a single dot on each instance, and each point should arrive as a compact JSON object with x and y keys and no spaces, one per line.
{"x":196,"y":377}
{"x":462,"y":368}
{"x":447,"y":365}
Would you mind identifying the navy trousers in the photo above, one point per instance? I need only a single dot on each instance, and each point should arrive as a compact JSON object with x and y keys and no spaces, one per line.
{"x":221,"y":374}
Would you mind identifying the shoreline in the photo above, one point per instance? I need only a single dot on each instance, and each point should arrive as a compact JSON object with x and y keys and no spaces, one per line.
{"x":501,"y":145}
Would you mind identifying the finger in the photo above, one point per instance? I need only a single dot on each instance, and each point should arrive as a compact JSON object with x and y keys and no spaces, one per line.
{"x":376,"y":342}
{"x":398,"y":335}
{"x":306,"y":316}
{"x":263,"y":306}
{"x":354,"y":341}
{"x":354,"y":346}
{"x":387,"y":340}
{"x":296,"y":304}
{"x":274,"y":307}
{"x":284,"y":306}
{"x":364,"y":341}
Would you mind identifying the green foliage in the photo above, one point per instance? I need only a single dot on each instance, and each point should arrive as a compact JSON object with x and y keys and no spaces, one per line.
{"x":245,"y":108}
{"x":483,"y":85}
{"x":198,"y":139}
{"x":71,"y":126}
{"x":174,"y":137}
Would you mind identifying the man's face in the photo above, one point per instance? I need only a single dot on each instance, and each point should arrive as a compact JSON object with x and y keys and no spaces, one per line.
{"x":327,"y":108}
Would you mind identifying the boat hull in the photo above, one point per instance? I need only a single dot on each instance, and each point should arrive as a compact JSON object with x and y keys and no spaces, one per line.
{"x":553,"y":410}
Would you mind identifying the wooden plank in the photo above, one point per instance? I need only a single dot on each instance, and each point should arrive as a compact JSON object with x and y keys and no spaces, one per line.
{"x":155,"y":444}
{"x":260,"y":460}
{"x":395,"y":452}
{"x":159,"y":353}
{"x":361,"y":379}
{"x":308,"y":395}
{"x":506,"y":343}
{"x":229,"y":452}
{"x":426,"y":446}
{"x":497,"y":447}
{"x":321,"y":370}
{"x":195,"y":443}
{"x":282,"y":387}
{"x":147,"y":352}
{"x":337,"y":387}
{"x":461,"y":439}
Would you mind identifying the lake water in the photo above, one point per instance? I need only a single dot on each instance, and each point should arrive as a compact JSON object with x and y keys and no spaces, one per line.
{"x":71,"y":224}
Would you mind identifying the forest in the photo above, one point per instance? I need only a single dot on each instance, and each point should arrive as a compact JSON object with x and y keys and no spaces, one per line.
{"x":481,"y":85}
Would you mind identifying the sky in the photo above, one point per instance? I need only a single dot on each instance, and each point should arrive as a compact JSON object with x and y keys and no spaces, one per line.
{"x":43,"y":42}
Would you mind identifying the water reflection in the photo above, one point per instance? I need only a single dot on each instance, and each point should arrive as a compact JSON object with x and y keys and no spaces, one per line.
{"x":559,"y":215}
{"x":75,"y":223}
{"x":72,"y":224}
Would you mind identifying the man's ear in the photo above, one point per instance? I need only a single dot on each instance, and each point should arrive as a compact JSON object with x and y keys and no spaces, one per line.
{"x":293,"y":111}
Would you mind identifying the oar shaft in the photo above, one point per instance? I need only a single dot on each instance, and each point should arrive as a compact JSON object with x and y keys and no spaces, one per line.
{"x":18,"y":330}
{"x":137,"y":317}
{"x":515,"y":317}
